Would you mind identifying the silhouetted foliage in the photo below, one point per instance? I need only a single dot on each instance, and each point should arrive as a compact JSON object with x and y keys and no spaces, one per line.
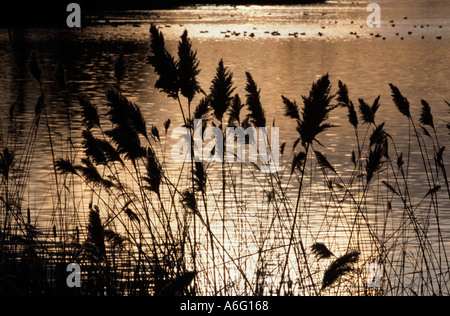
{"x":221,"y":91}
{"x":339,"y":268}
{"x":256,"y":113}
{"x":313,"y":116}
{"x":426,"y":118}
{"x":89,"y":112}
{"x":188,"y":68}
{"x":321,"y":251}
{"x":400,"y":101}
{"x":164,"y":64}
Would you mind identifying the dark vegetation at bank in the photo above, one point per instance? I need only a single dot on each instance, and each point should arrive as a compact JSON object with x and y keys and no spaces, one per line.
{"x":53,"y":12}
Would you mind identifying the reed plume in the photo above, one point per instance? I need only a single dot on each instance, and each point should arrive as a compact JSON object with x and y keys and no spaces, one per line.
{"x":89,"y":112}
{"x":123,"y":112}
{"x":400,"y":101}
{"x":298,"y":161}
{"x":343,"y":99}
{"x":323,"y":162}
{"x":352,"y":116}
{"x":433,"y":190}
{"x":368,"y":112}
{"x":155,"y":133}
{"x":375,"y":160}
{"x":321,"y":251}
{"x":221,"y":90}
{"x":188,"y":68}
{"x":317,"y":107}
{"x":291,"y":109}
{"x":342,"y":95}
{"x":400,"y":161}
{"x":127,"y":142}
{"x":92,"y":148}
{"x":390,"y":188}
{"x":235,"y":112}
{"x":114,"y":238}
{"x":166,"y":126}
{"x":378,"y":135}
{"x":202,"y":109}
{"x":132,"y":215}
{"x":163,"y":63}
{"x":426,"y":118}
{"x":64,"y":166}
{"x":96,"y":235}
{"x":99,"y":150}
{"x":189,"y":201}
{"x":154,"y":172}
{"x":200,"y":177}
{"x":91,"y":174}
{"x":128,"y":123}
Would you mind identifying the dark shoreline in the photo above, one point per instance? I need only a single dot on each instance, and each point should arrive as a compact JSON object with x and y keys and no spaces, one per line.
{"x":53,"y":12}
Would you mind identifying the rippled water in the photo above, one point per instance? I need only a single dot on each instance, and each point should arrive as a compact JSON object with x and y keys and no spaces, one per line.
{"x":281,"y":64}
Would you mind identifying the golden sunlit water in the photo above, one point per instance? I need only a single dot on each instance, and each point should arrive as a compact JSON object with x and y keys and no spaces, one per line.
{"x":286,"y":49}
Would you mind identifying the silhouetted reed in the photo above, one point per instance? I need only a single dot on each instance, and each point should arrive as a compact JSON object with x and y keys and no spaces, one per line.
{"x":163,"y":63}
{"x":317,"y":106}
{"x":256,"y":114}
{"x":188,"y":69}
{"x":89,"y":115}
{"x":339,"y":268}
{"x":321,"y":251}
{"x":221,"y":91}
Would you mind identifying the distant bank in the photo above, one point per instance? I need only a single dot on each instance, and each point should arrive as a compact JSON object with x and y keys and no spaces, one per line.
{"x":53,"y":12}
